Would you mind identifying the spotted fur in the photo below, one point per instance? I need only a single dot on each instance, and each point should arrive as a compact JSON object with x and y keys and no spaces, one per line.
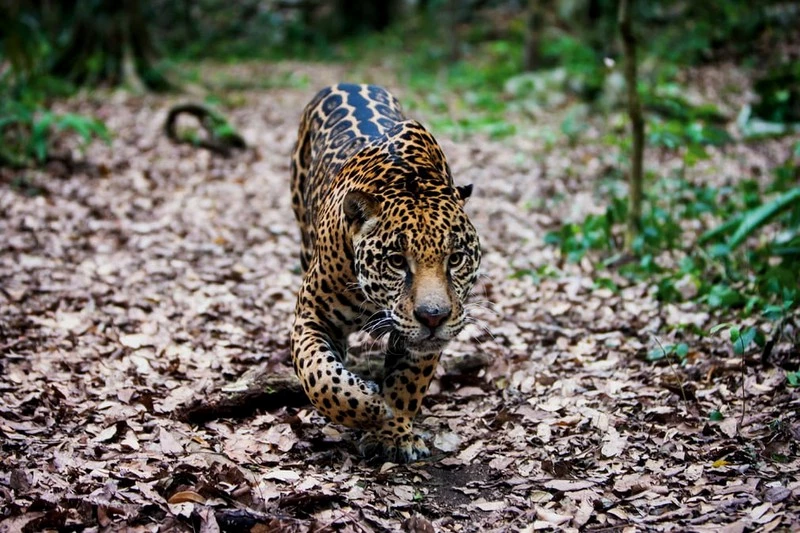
{"x":387,"y":247}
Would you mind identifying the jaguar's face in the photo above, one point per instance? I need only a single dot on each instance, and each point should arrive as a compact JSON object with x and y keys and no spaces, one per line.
{"x":418,"y":259}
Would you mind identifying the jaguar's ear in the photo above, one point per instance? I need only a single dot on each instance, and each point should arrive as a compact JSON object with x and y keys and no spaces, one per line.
{"x":359,"y":207}
{"x":464,"y":192}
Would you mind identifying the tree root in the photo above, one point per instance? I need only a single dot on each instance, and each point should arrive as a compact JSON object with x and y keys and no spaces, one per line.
{"x":220,"y":137}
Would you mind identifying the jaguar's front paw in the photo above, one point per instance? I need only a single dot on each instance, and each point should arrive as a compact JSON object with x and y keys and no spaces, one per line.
{"x":399,"y":449}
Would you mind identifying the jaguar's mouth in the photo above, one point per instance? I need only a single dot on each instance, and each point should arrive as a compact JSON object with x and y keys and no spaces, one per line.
{"x":427,"y":344}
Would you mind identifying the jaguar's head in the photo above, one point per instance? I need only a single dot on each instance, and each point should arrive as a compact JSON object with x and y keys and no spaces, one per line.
{"x":416,"y":257}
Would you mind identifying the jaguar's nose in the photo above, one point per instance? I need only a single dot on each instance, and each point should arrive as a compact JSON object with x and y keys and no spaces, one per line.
{"x":431,"y":316}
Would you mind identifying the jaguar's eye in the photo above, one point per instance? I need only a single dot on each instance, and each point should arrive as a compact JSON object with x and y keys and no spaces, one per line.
{"x":456,"y":260}
{"x":397,"y":261}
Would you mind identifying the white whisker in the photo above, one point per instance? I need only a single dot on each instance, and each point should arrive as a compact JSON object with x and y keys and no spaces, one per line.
{"x":482,"y":325}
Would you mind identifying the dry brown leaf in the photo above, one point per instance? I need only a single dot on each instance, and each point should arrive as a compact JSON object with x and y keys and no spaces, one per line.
{"x":281,"y":475}
{"x":552,"y":518}
{"x":490,"y":506}
{"x":418,"y":524}
{"x":136,"y":340}
{"x":472,"y":451}
{"x":186,"y":496}
{"x":404,"y":492}
{"x":169,"y":444}
{"x":447,"y":441}
{"x":107,"y":434}
{"x":567,"y":485}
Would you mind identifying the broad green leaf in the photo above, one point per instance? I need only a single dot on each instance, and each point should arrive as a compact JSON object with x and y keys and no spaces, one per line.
{"x":39,"y":134}
{"x":760,"y":216}
{"x":740,"y":344}
{"x":715,"y":329}
{"x":724,"y":296}
{"x":726,"y":227}
{"x":659,"y":352}
{"x":682,"y":350}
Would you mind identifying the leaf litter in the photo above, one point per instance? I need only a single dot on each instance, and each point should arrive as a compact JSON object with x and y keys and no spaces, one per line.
{"x":157,"y":274}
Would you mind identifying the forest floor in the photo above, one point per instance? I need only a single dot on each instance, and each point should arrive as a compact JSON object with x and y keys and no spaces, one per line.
{"x":152,"y":274}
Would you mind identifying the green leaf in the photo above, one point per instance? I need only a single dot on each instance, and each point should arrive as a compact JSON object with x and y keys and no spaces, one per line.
{"x":715,"y":329}
{"x":695,"y":153}
{"x":682,"y":350}
{"x":722,"y":229}
{"x":39,"y":135}
{"x":760,"y":338}
{"x":606,"y":283}
{"x":659,"y":352}
{"x":761,"y":215}
{"x":741,"y":344}
{"x":724,"y":296}
{"x":793,"y":378}
{"x":85,"y":127}
{"x":715,"y":416}
{"x":773,"y":312}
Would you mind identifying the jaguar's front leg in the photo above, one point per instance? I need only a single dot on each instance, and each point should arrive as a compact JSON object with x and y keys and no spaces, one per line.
{"x":335,"y":391}
{"x":406,"y":378}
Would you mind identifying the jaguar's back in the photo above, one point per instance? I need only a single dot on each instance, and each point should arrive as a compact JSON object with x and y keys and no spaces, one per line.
{"x":337,"y":124}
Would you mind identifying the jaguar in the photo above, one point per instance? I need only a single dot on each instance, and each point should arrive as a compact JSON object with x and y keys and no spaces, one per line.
{"x":386,"y":247}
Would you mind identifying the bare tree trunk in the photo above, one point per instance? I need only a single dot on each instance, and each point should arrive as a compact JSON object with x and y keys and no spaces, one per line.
{"x":453,"y":19}
{"x":531,"y":59}
{"x":637,"y":124}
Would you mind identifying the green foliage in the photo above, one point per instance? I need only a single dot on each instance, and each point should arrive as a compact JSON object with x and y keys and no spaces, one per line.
{"x":583,"y":64}
{"x":27,"y":131}
{"x":719,"y":271}
{"x":596,"y":232}
{"x":761,"y":215}
{"x":537,"y":274}
{"x":23,"y":45}
{"x":675,"y":133}
{"x":674,"y":123}
{"x":779,"y":94}
{"x":678,"y":351}
{"x":27,"y":127}
{"x":467,"y":74}
{"x":723,"y":268}
{"x":692,"y":32}
{"x":741,"y":340}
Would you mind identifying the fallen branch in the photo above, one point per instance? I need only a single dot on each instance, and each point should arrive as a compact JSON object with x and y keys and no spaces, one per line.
{"x":269,"y":391}
{"x":266,"y":392}
{"x":220,"y":138}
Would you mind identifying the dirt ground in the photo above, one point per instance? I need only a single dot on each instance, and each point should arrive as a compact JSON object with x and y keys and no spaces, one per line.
{"x":151,"y":274}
